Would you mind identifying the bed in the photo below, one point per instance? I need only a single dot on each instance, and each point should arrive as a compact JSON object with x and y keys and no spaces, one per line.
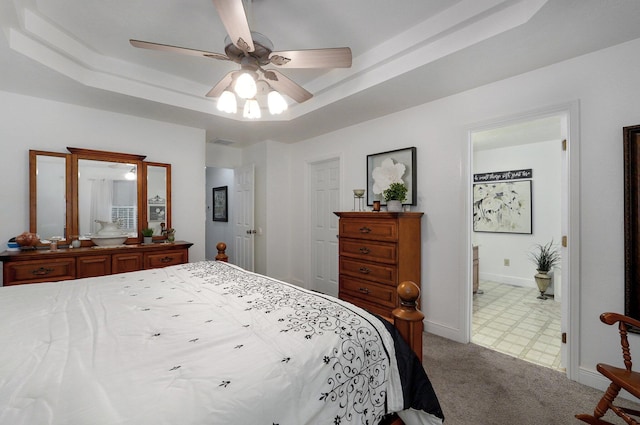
{"x":201,"y":343}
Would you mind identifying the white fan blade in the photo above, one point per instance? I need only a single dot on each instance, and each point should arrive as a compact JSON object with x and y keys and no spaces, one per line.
{"x":339,"y":57}
{"x":176,"y":49}
{"x":234,"y":19}
{"x":286,"y":86}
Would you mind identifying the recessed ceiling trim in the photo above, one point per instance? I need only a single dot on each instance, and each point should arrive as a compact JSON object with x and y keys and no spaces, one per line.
{"x":463,"y":24}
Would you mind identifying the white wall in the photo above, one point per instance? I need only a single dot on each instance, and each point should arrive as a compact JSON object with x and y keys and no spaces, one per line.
{"x":33,"y":123}
{"x":545,"y":160}
{"x":605,"y":84}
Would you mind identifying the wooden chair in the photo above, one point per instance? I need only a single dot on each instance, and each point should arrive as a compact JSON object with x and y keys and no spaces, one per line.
{"x":625,"y":378}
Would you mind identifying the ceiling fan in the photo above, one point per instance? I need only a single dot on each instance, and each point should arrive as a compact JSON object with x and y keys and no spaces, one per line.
{"x":253,"y":51}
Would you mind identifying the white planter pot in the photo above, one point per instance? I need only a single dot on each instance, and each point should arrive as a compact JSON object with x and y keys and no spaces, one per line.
{"x":394,"y":206}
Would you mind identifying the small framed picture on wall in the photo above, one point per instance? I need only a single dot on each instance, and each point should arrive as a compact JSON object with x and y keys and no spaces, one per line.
{"x":220,"y":204}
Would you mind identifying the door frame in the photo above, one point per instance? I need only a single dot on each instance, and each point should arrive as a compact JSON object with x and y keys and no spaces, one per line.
{"x":571,"y":276}
{"x":309,"y":163}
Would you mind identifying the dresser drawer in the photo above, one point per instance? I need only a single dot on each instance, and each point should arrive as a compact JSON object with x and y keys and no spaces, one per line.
{"x":19,"y":272}
{"x":374,"y":308}
{"x":165,"y":258}
{"x":368,"y":291}
{"x":130,"y":262}
{"x":381,"y":230}
{"x":381,"y":273}
{"x":383,"y":252}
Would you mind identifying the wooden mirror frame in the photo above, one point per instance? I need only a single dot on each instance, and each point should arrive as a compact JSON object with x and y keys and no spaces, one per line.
{"x":33,"y":189}
{"x":631,"y":138}
{"x":78,"y":154}
{"x":145,"y":173}
{"x":71,"y":193}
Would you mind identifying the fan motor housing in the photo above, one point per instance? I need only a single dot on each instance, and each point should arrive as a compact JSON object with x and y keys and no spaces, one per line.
{"x":263,"y":48}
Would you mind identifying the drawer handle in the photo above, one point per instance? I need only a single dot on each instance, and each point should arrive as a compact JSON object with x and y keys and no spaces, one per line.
{"x":365,"y":229}
{"x":364,"y":290}
{"x":166,"y":259}
{"x":364,"y":270}
{"x":42,"y":271}
{"x":364,"y":250}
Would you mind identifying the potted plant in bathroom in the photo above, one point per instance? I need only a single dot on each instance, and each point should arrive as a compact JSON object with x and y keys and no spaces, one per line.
{"x":147,"y":234}
{"x":394,"y":195}
{"x":545,"y":257}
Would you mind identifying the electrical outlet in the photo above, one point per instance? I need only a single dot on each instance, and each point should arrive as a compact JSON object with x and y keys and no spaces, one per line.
{"x":507,"y":262}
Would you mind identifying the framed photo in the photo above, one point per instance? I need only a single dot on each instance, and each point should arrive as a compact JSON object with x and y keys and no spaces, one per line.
{"x":157,"y":213}
{"x":631,"y":148}
{"x":404,"y":163}
{"x":220,"y":204}
{"x":502,"y":207}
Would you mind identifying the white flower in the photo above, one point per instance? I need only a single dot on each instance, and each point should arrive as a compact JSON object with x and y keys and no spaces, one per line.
{"x":387,"y":173}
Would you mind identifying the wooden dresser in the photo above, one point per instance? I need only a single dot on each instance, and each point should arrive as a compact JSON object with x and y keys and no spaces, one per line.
{"x":378,"y":250}
{"x":63,"y":264}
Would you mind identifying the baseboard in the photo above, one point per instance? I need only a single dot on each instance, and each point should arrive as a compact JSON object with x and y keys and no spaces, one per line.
{"x":509,"y":280}
{"x":297,"y":282}
{"x":593,"y":379}
{"x":444,"y":331}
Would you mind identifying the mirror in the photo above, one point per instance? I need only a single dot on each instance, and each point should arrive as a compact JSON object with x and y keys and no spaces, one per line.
{"x":158,"y":186}
{"x":49,"y":208}
{"x":69,"y":192}
{"x":107,"y":191}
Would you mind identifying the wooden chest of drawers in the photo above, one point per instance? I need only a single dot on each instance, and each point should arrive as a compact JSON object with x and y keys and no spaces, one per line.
{"x":64,"y":264}
{"x":378,"y":250}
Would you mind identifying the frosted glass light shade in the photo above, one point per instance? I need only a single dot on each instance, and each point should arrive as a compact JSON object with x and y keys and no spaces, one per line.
{"x":245,"y":86}
{"x":251,"y":109}
{"x":227,"y":102}
{"x":277,"y":104}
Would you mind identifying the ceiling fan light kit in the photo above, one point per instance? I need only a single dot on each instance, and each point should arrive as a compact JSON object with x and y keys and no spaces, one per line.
{"x":252,"y":109}
{"x":245,"y":86}
{"x":227,"y":102}
{"x":276,"y":102}
{"x":252,"y":51}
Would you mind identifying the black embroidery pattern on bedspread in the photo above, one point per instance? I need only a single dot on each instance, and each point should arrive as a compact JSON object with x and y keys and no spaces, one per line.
{"x":360,"y":365}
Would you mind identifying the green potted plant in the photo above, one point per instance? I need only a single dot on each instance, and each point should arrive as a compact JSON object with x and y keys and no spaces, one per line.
{"x":545,"y":257}
{"x":147,"y":233}
{"x":394,"y":195}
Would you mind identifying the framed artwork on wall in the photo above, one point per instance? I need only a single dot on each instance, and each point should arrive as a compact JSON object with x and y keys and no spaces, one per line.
{"x":220,"y":204}
{"x":385,"y":166}
{"x":502,"y":207}
{"x":631,"y":148}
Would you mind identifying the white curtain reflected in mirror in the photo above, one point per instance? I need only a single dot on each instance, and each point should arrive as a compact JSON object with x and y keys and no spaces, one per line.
{"x":51,"y":200}
{"x":100,"y":203}
{"x":107,"y":193}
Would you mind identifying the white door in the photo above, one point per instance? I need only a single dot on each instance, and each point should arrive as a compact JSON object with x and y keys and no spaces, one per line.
{"x":324,"y":200}
{"x":243,"y":216}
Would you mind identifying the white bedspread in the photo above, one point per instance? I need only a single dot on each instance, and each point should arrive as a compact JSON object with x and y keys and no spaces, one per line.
{"x":199,"y":343}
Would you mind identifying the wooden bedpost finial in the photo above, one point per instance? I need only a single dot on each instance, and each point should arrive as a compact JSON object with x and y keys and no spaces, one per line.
{"x":407,"y":317}
{"x":222,"y":247}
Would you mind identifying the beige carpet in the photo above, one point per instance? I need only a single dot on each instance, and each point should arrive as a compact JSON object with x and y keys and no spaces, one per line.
{"x":478,"y":386}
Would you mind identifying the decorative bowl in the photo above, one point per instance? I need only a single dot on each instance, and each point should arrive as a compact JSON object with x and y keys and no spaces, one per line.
{"x":27,"y":240}
{"x":358,"y":192}
{"x":109,"y":240}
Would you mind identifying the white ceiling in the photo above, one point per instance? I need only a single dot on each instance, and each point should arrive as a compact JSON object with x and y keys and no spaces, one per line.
{"x":405,"y":53}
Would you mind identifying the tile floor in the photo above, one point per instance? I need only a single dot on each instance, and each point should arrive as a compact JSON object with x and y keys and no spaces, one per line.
{"x":511,"y":320}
